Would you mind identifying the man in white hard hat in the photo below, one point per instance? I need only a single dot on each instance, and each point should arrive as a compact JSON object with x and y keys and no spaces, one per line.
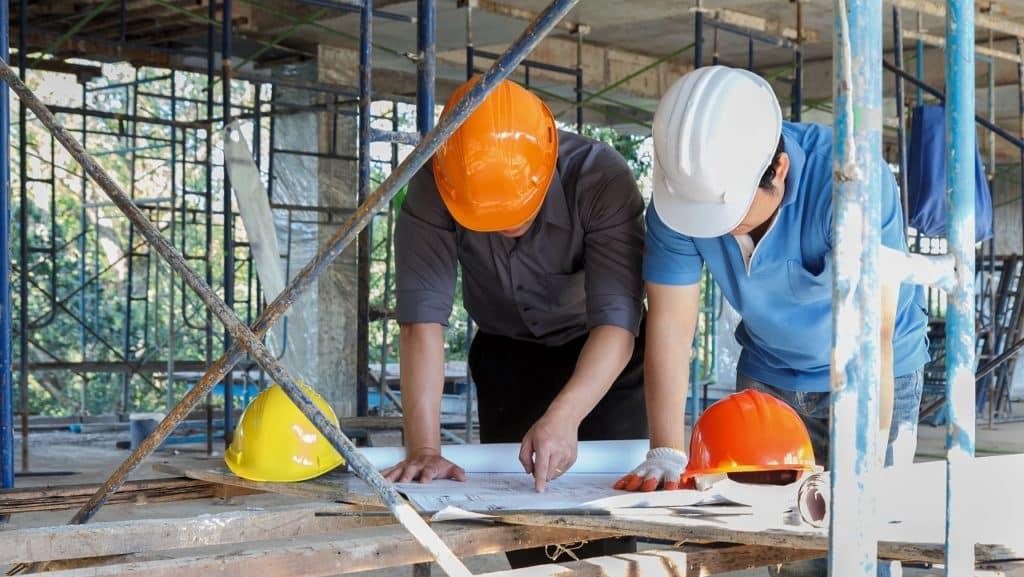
{"x":750,"y":196}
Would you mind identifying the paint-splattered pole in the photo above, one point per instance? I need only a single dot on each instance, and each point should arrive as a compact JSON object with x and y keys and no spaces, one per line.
{"x":857,"y":185}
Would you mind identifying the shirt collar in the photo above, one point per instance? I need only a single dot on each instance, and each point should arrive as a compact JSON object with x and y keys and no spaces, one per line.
{"x":797,"y":159}
{"x":554,"y":210}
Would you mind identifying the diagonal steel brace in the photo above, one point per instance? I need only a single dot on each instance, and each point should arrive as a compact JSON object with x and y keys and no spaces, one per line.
{"x":249,"y":340}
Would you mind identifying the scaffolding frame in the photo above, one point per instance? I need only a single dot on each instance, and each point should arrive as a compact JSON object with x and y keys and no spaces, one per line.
{"x":857,"y":187}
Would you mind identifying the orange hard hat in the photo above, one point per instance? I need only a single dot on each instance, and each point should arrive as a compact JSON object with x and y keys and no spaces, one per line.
{"x":746,"y":432}
{"x":494,"y":172}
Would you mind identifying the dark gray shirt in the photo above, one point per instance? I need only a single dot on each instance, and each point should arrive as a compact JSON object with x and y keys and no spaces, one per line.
{"x":577,"y":267}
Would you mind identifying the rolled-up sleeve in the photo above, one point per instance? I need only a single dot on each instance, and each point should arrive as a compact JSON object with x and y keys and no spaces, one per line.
{"x":612,"y":216}
{"x":425,"y":254}
{"x":670,"y":258}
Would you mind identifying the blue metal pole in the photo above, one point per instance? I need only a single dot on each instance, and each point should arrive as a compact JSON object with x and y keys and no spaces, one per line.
{"x":229,"y":229}
{"x":698,"y":35}
{"x":960,"y":331}
{"x":1020,"y":116}
{"x":901,"y":109}
{"x":919,"y":61}
{"x":698,"y":61}
{"x":798,"y":66}
{"x":797,"y":105}
{"x":363,"y":259}
{"x":426,"y":69}
{"x":6,"y":382}
{"x":857,"y":185}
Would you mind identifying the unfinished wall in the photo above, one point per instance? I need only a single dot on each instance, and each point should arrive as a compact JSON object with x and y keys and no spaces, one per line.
{"x":313,"y":181}
{"x":1007,"y":210}
{"x":338,"y":183}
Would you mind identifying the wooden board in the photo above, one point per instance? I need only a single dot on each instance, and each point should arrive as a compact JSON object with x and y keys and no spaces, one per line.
{"x":61,"y":497}
{"x":336,"y":486}
{"x":322,"y":555}
{"x":752,"y":531}
{"x":147,"y":535}
{"x":901,"y":542}
{"x":684,"y":561}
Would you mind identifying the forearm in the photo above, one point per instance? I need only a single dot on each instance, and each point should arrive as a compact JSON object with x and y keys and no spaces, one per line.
{"x":666,"y":382}
{"x":422,"y":380}
{"x":890,"y":296}
{"x":604,"y":355}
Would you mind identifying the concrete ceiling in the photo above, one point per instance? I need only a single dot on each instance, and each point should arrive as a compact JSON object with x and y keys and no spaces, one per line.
{"x":622,"y":37}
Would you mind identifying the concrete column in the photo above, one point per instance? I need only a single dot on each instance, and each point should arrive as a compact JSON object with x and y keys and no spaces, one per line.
{"x":329,"y":308}
{"x":337,"y":187}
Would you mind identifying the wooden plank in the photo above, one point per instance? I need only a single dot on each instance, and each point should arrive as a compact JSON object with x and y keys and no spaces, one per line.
{"x":145,"y":535}
{"x":981,"y":20}
{"x":686,"y":561}
{"x":334,"y":486}
{"x":753,"y":530}
{"x":322,"y":555}
{"x":58,"y":498}
{"x":940,"y":42}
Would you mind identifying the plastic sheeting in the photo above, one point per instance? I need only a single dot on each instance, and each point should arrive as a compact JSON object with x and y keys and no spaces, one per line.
{"x":263,"y":232}
{"x":926,"y":175}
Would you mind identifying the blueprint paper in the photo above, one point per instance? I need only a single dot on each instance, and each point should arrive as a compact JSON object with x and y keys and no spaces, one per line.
{"x":613,"y":457}
{"x":503,"y":492}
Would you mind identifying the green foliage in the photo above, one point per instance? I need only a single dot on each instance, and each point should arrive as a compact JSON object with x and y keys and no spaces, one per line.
{"x":630,"y":146}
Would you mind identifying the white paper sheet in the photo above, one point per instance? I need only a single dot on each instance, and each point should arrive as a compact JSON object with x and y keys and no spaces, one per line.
{"x":497,"y":492}
{"x":614,"y":457}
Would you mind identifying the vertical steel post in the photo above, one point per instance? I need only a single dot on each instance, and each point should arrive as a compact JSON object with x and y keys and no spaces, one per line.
{"x":229,"y":218}
{"x":919,"y":60}
{"x":6,"y":381}
{"x":23,"y":246}
{"x":469,"y":42}
{"x":208,"y":213}
{"x":1020,"y":111}
{"x":901,"y":109}
{"x":750,"y":54}
{"x":857,"y":185}
{"x":698,"y":36}
{"x":698,"y":61}
{"x":365,"y":237}
{"x":796,"y":110}
{"x":83,"y":223}
{"x":426,"y":68}
{"x":960,"y":331}
{"x":579,"y":78}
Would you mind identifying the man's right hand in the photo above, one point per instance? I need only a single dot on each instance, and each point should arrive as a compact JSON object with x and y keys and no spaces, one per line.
{"x":662,"y":468}
{"x":424,"y":467}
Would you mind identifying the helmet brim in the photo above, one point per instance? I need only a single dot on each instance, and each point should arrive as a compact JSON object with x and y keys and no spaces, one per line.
{"x":697,"y":219}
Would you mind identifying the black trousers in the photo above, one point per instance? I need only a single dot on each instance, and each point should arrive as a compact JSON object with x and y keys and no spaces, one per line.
{"x":517,"y":380}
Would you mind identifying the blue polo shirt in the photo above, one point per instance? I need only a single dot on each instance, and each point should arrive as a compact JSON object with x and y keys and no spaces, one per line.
{"x":785,"y":299}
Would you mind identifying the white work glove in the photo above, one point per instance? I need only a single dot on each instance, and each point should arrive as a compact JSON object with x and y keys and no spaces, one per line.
{"x":663,"y":467}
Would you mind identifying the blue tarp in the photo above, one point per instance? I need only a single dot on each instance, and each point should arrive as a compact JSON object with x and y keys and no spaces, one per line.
{"x":926,"y":175}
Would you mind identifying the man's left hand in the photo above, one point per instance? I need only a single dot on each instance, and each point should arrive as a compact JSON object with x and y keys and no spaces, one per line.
{"x":548,"y":449}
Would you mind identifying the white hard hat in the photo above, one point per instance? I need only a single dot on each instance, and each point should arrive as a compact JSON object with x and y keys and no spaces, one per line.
{"x":715,"y":133}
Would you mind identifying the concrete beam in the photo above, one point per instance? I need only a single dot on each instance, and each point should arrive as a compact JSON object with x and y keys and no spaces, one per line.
{"x":759,"y":24}
{"x":520,"y":14}
{"x":602,"y":66}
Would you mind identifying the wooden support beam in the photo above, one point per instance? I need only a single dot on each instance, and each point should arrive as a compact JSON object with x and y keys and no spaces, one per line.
{"x":686,"y":561}
{"x":756,"y":23}
{"x":323,"y":555}
{"x":940,"y":42}
{"x":981,"y":19}
{"x":151,"y":535}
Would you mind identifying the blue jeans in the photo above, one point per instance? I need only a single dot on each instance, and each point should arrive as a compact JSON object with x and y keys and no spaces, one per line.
{"x":813,"y":408}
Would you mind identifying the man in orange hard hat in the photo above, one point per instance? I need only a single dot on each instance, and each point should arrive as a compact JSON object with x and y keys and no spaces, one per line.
{"x":548,"y":228}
